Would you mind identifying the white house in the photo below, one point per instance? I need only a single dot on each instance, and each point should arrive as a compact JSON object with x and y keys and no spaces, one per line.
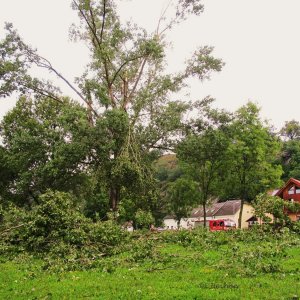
{"x":223,"y":210}
{"x":171,"y":223}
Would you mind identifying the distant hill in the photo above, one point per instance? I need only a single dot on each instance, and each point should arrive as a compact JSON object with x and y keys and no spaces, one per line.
{"x":167,"y":168}
{"x":168,"y":161}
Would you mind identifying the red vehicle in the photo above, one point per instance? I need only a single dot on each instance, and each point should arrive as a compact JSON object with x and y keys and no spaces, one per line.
{"x":221,"y":224}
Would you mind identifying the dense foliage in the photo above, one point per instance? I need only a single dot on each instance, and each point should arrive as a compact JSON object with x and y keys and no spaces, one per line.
{"x":258,"y":265}
{"x":103,"y":152}
{"x":72,"y":171}
{"x":54,"y":229}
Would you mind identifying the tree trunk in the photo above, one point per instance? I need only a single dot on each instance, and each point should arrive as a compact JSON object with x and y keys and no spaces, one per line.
{"x":241,"y":214}
{"x":204,"y":214}
{"x":243,"y":194}
{"x":89,"y":109}
{"x":114,"y":198}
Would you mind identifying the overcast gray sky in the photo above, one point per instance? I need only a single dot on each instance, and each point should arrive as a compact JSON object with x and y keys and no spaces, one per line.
{"x":257,"y":39}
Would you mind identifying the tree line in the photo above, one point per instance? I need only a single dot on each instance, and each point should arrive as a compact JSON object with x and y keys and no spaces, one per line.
{"x":105,"y":149}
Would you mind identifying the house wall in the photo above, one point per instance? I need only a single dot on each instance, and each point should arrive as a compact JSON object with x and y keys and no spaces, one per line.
{"x":291,"y":192}
{"x":170,"y":224}
{"x":184,"y":223}
{"x":287,"y":196}
{"x":248,"y":212}
{"x":294,"y":216}
{"x":260,"y":221}
{"x":187,"y":223}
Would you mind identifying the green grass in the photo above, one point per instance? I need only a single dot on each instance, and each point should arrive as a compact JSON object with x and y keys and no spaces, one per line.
{"x":177,"y":272}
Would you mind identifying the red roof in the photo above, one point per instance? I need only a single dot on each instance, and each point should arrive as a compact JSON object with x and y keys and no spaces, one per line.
{"x":291,"y":180}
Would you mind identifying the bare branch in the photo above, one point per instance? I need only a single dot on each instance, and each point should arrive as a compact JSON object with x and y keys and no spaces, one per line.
{"x":137,"y":81}
{"x":123,"y":65}
{"x":44,"y":63}
{"x":103,"y":20}
{"x":93,"y":30}
{"x":14,"y":227}
{"x":98,"y":43}
{"x":162,"y":16}
{"x":46,"y":94}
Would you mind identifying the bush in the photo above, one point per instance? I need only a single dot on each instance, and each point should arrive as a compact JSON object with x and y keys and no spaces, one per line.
{"x":294,"y":227}
{"x":143,"y":219}
{"x":55,"y":230}
{"x":109,"y":237}
{"x":249,"y":260}
{"x":54,"y":220}
{"x":141,"y":250}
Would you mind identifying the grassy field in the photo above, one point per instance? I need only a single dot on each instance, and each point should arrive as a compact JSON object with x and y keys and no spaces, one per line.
{"x":170,"y":266}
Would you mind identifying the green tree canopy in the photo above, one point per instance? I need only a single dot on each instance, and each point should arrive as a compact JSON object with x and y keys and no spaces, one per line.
{"x":202,"y":153}
{"x":129,"y":98}
{"x":46,"y":146}
{"x":291,"y":130}
{"x":250,"y":166}
{"x":290,"y":159}
{"x":182,"y":195}
{"x":290,"y":153}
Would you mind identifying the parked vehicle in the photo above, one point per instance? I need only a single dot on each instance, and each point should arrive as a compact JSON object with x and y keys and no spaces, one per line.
{"x":221,"y":224}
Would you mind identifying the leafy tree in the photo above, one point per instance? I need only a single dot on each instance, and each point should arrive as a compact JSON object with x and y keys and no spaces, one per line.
{"x":202,"y":152}
{"x":291,"y":130}
{"x":16,"y":60}
{"x":265,"y":204}
{"x":125,"y":89}
{"x":290,"y":159}
{"x":250,"y":157}
{"x":290,"y":154}
{"x":56,"y":230}
{"x":167,"y":170}
{"x":182,"y":195}
{"x":96,"y":204}
{"x":6,"y":174}
{"x":147,"y":201}
{"x":45,"y":146}
{"x":143,"y":219}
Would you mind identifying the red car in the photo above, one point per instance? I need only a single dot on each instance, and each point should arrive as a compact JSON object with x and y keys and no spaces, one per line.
{"x":221,"y":224}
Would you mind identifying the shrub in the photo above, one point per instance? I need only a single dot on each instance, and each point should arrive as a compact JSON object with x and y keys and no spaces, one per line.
{"x":143,"y":219}
{"x":142,"y":249}
{"x":109,"y":237}
{"x":294,"y":227}
{"x":55,"y":231}
{"x":250,"y":261}
{"x":54,"y":220}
